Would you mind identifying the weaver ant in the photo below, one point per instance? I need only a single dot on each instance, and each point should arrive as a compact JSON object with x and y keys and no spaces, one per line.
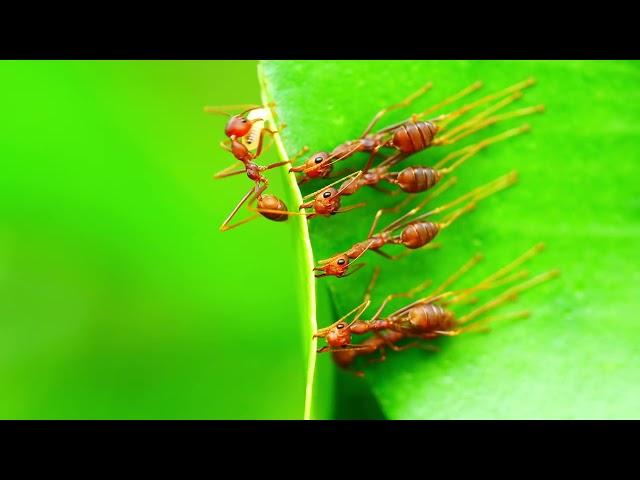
{"x":417,"y":179}
{"x":246,"y":136}
{"x":430,"y":316}
{"x":414,"y":135}
{"x":412,"y":233}
{"x":324,"y":202}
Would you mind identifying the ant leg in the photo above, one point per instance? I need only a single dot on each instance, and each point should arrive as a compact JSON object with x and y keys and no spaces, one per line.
{"x":408,"y":294}
{"x":360,"y":309}
{"x":500,"y":274}
{"x":483,"y":325}
{"x":480,"y":116}
{"x":462,"y":93}
{"x":508,"y":295}
{"x":354,"y":270}
{"x":448,"y":139}
{"x":354,"y":176}
{"x":382,"y":211}
{"x":428,"y":198}
{"x":471,"y":150}
{"x":351,"y":207}
{"x":225,"y":147}
{"x":462,"y":295}
{"x":428,"y":246}
{"x":372,"y":283}
{"x":404,"y":103}
{"x":302,"y":151}
{"x":228,"y":172}
{"x":392,"y":160}
{"x":261,"y":141}
{"x":477,"y":258}
{"x":225,"y":225}
{"x":222,"y":110}
{"x":477,"y":194}
{"x":391,"y":193}
{"x":449,"y":117}
{"x":452,"y":217}
{"x":273,"y":165}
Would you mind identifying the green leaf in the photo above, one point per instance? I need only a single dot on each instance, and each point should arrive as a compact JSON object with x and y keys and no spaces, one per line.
{"x":576,"y":356}
{"x":119,"y":297}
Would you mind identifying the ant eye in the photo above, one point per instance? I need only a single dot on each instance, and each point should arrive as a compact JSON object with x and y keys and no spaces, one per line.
{"x":340,"y":326}
{"x":326,"y":194}
{"x":244,"y":120}
{"x":341,"y":261}
{"x":318,"y":159}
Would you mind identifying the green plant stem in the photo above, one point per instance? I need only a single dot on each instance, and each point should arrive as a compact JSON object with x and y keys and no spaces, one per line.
{"x":308,"y":262}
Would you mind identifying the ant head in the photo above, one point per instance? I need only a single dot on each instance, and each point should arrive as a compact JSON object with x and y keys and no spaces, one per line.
{"x":327,"y":202}
{"x":237,"y":126}
{"x":336,"y":266}
{"x":318,"y":165}
{"x":336,"y":335}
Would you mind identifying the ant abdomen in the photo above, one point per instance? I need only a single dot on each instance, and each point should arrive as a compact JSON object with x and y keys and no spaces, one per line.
{"x":416,"y":179}
{"x":412,"y":137}
{"x":429,"y":317}
{"x":418,"y":234}
{"x":271,"y":202}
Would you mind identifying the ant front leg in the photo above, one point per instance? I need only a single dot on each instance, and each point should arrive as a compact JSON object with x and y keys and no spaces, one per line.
{"x":382,"y":211}
{"x":428,"y":246}
{"x":230,"y":171}
{"x":256,"y":192}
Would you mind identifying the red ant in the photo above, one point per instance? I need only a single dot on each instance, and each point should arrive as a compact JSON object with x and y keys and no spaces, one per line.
{"x":412,"y":135}
{"x":415,"y":233}
{"x":417,"y":179}
{"x":246,"y":134}
{"x":428,"y":317}
{"x":324,"y":202}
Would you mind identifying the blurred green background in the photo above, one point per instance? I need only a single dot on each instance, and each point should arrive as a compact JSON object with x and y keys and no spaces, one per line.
{"x":119,"y":297}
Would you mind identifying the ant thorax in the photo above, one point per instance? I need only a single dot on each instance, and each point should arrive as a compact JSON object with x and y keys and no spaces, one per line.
{"x":253,"y":171}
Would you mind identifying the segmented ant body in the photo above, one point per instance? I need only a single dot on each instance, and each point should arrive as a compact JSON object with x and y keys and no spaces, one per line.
{"x":246,"y":133}
{"x":411,"y":233}
{"x":429,"y":317}
{"x":414,"y":135}
{"x":417,"y":179}
{"x":324,"y":202}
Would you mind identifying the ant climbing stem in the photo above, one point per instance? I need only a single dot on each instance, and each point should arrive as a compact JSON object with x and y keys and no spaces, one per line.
{"x":326,"y":201}
{"x":271,"y":203}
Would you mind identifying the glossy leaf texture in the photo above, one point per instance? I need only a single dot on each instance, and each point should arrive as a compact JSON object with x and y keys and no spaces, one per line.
{"x":578,"y":192}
